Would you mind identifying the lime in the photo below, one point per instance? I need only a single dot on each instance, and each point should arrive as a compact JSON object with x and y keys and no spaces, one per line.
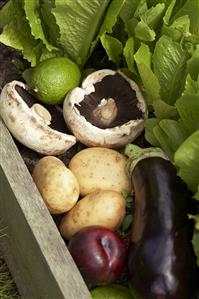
{"x":52,"y":78}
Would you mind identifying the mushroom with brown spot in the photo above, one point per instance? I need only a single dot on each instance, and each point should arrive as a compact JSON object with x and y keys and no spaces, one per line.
{"x":108,"y":110}
{"x":30,"y":125}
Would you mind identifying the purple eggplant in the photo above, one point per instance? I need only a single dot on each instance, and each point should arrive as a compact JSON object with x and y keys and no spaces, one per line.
{"x":161,"y":260}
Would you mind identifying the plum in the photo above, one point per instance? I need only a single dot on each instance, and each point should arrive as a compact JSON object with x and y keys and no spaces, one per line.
{"x":99,"y":253}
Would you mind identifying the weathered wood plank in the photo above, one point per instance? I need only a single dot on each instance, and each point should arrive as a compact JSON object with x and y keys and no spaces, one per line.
{"x":35,"y":252}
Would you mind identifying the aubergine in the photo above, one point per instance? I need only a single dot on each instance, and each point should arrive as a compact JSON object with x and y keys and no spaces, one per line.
{"x":161,"y":260}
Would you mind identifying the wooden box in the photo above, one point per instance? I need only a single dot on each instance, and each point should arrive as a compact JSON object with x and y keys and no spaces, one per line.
{"x":32,"y":245}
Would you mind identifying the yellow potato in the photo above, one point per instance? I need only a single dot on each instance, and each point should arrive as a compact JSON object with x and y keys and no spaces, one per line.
{"x":105,"y":208}
{"x":99,"y":168}
{"x":58,"y":186}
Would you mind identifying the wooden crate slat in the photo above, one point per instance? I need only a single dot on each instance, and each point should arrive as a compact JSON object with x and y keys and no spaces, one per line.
{"x":35,"y":251}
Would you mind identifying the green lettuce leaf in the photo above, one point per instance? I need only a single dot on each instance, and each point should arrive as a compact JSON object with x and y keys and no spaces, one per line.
{"x":195,"y":242}
{"x":170,"y":134}
{"x":169,"y":12}
{"x":193,"y":64}
{"x":51,"y":29}
{"x":196,"y":196}
{"x":6,"y":13}
{"x":141,"y":8}
{"x":169,"y":62}
{"x":113,"y":47}
{"x":78,"y":22}
{"x":128,"y":10}
{"x":188,"y":109}
{"x":187,"y":161}
{"x":144,"y":32}
{"x":175,"y":131}
{"x":149,"y":80}
{"x":16,"y":32}
{"x":129,"y":54}
{"x":191,"y":86}
{"x":163,"y":110}
{"x":178,"y":29}
{"x":32,"y":11}
{"x":153,"y":16}
{"x":190,"y":8}
{"x":109,"y":20}
{"x":149,"y":125}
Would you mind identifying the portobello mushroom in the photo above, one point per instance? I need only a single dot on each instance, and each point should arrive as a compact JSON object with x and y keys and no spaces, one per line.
{"x":161,"y":261}
{"x":108,"y":110}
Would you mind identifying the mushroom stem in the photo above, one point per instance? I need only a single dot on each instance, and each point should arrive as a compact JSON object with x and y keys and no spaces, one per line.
{"x":42,"y":113}
{"x":106,"y":111}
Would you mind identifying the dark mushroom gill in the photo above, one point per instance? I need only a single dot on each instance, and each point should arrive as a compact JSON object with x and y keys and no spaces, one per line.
{"x":114,"y":87}
{"x":57,"y":122}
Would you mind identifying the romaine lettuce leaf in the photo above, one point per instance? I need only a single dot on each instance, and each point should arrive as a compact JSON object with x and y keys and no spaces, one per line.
{"x":142,"y":7}
{"x":32,"y":11}
{"x":109,"y":21}
{"x":51,"y":29}
{"x":187,"y":161}
{"x":153,"y":15}
{"x":129,"y":54}
{"x":163,"y":110}
{"x":169,"y":12}
{"x":166,"y":133}
{"x":144,"y":32}
{"x":16,"y":32}
{"x":188,"y":109}
{"x":169,"y":62}
{"x":128,"y":9}
{"x":149,"y":80}
{"x":149,"y":125}
{"x":190,"y":8}
{"x":78,"y":22}
{"x":193,"y":64}
{"x":195,"y":242}
{"x":113,"y":48}
{"x":191,"y":86}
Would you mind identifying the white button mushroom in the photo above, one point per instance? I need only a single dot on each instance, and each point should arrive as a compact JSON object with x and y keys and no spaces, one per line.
{"x":108,"y":110}
{"x":30,"y":125}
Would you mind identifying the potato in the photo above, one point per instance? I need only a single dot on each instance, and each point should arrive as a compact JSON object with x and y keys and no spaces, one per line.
{"x":58,"y":186}
{"x":105,"y":208}
{"x":99,"y":168}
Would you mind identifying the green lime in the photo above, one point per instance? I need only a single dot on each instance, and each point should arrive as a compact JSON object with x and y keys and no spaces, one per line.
{"x":52,"y":78}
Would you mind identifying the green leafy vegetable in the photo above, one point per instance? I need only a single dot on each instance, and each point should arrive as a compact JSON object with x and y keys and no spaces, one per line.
{"x":50,"y":26}
{"x":187,"y":160}
{"x":163,"y":110}
{"x":188,"y":109}
{"x":32,"y":11}
{"x":190,"y":8}
{"x":153,"y":16}
{"x":150,"y":82}
{"x":78,"y":24}
{"x":169,"y":61}
{"x":196,"y":244}
{"x":113,"y":47}
{"x":129,"y":54}
{"x":109,"y":21}
{"x":169,"y":11}
{"x":111,"y":292}
{"x":16,"y":32}
{"x":144,"y":32}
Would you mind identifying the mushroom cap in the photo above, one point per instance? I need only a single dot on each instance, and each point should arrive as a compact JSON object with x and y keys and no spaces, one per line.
{"x":90,"y":133}
{"x":28,"y":127}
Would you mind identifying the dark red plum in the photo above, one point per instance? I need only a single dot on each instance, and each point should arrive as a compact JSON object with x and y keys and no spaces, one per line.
{"x":99,"y":254}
